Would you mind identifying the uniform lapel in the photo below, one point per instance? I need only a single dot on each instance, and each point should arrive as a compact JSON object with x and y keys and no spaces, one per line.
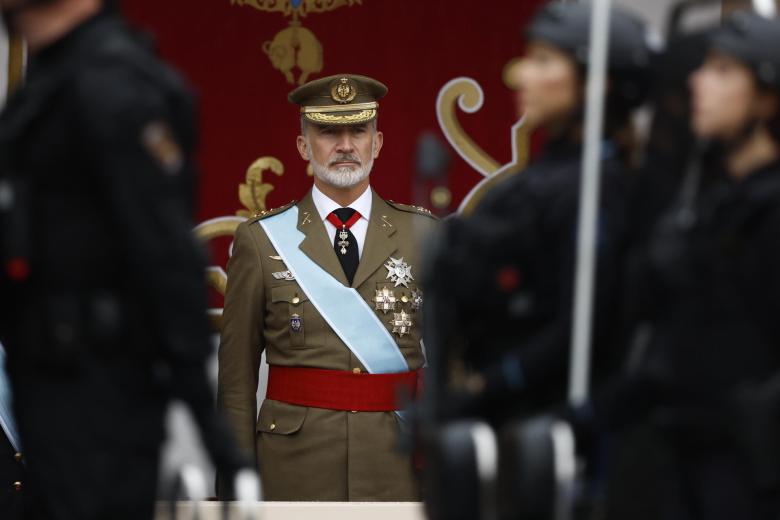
{"x":316,"y":244}
{"x":380,"y":242}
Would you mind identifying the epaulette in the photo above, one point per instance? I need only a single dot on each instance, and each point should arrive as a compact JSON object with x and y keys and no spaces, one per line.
{"x":412,"y":209}
{"x":260,"y":215}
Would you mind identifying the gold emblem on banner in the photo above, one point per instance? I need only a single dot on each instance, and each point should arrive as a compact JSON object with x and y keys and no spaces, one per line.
{"x":252,"y":194}
{"x":295,"y":47}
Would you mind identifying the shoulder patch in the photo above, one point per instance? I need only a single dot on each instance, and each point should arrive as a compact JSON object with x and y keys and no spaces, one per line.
{"x":412,"y":209}
{"x":260,"y":215}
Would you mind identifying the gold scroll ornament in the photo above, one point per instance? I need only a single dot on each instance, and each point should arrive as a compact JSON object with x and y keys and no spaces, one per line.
{"x":466,"y":94}
{"x":295,"y":47}
{"x":252,"y":194}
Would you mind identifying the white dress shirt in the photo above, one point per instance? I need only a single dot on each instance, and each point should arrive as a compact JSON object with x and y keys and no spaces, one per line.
{"x":362,"y":205}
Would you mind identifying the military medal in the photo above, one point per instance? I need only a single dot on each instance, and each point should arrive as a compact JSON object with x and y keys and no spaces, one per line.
{"x":385,"y":300}
{"x":417,"y":299}
{"x":399,"y":272}
{"x":283,"y":275}
{"x":343,"y":242}
{"x":402,"y":323}
{"x":343,"y":234}
{"x":296,"y":322}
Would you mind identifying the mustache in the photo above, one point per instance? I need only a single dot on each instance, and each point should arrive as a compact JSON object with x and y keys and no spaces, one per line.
{"x":345,"y":158}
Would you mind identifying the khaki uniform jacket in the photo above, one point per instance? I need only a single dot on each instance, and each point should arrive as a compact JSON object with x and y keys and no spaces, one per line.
{"x":306,"y":453}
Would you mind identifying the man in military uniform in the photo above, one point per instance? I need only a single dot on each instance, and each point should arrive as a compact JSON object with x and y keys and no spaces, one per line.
{"x":326,"y":286}
{"x":103,"y":297}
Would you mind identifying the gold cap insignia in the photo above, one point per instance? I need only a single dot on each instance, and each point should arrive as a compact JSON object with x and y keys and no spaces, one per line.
{"x":343,"y":90}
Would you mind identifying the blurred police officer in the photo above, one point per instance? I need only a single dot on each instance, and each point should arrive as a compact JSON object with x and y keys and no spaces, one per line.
{"x":103,"y":307}
{"x":514,"y":258}
{"x":13,"y":482}
{"x":708,"y":385}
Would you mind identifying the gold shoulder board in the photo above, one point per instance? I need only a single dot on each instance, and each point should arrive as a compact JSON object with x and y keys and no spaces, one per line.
{"x":260,"y":215}
{"x":412,"y":209}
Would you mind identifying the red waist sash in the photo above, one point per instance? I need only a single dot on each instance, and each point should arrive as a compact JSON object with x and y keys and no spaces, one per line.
{"x":341,"y":390}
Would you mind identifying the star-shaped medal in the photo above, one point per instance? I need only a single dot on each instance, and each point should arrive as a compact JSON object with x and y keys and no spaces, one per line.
{"x":399,"y":272}
{"x":385,"y":300}
{"x":402,"y":323}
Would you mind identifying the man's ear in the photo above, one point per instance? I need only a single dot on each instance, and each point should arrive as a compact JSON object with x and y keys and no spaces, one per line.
{"x":379,"y":139}
{"x":303,"y":147}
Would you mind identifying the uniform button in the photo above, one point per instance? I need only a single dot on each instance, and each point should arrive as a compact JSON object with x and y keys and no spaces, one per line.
{"x":17,"y":486}
{"x":296,"y":301}
{"x":273,"y":426}
{"x":355,"y":370}
{"x":404,"y":299}
{"x":354,"y":411}
{"x":18,"y":457}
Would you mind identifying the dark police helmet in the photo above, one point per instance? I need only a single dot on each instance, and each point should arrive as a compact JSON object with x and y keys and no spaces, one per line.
{"x":753,"y":40}
{"x":567,"y":26}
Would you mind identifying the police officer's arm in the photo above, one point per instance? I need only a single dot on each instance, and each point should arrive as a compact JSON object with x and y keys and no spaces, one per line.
{"x":140,"y":153}
{"x":138,"y":131}
{"x":242,"y":339}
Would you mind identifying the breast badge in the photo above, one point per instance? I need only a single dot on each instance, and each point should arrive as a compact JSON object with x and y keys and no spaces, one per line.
{"x":399,"y":272}
{"x":402,"y":323}
{"x":384,"y":300}
{"x":283,"y":275}
{"x":296,"y":323}
{"x":417,"y":299}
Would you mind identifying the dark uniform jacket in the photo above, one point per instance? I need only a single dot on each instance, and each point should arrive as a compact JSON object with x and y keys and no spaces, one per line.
{"x":102,"y":278}
{"x":515,"y":259}
{"x":703,"y":418}
{"x":712,"y":292}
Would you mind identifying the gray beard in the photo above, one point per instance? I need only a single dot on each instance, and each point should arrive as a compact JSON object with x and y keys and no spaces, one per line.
{"x":344,"y":177}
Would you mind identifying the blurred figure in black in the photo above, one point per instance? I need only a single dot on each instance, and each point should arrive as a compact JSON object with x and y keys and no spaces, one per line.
{"x":13,"y":481}
{"x":514,"y":258}
{"x":103,"y":299}
{"x":704,"y":391}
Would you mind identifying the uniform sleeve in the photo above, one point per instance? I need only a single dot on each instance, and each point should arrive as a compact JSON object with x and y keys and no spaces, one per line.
{"x":138,"y":144}
{"x":241,"y":343}
{"x":137,"y":133}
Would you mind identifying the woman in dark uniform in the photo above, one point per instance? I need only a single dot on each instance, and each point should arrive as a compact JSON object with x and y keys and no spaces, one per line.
{"x":708,"y":390}
{"x":516,"y":253}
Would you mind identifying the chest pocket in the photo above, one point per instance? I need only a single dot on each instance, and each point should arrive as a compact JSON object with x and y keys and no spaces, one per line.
{"x":292,"y":305}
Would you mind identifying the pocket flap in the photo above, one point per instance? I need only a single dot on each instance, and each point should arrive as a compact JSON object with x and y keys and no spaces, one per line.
{"x":280,"y":418}
{"x":286,"y":293}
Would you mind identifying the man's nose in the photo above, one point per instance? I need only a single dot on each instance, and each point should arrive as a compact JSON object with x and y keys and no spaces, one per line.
{"x":344,"y":144}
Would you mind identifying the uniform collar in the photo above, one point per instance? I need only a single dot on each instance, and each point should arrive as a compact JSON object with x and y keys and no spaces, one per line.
{"x":81,"y":36}
{"x":325,"y":205}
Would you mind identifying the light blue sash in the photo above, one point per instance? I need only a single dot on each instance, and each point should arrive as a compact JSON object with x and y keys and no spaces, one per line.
{"x":7,"y":422}
{"x":342,"y":307}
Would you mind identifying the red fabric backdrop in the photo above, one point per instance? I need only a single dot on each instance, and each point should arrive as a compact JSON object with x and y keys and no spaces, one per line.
{"x":414,"y":46}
